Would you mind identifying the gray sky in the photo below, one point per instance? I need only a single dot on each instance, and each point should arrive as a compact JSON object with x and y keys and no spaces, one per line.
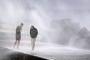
{"x":41,"y":12}
{"x":78,"y":10}
{"x":13,"y":10}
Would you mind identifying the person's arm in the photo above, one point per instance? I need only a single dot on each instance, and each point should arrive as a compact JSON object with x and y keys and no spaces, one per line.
{"x":37,"y":31}
{"x":20,"y":28}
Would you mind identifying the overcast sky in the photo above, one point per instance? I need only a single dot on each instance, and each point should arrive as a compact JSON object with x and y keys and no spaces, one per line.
{"x":41,"y":12}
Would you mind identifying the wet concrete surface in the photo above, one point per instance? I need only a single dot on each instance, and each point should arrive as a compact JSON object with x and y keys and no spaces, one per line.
{"x":7,"y":54}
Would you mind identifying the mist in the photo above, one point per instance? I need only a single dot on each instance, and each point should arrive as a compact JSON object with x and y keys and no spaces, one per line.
{"x":58,"y":21}
{"x":69,"y":33}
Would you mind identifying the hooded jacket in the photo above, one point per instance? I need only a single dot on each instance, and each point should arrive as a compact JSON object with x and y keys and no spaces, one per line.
{"x":33,"y":32}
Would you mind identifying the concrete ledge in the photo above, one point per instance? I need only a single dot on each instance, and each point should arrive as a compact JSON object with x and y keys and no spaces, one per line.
{"x":7,"y":54}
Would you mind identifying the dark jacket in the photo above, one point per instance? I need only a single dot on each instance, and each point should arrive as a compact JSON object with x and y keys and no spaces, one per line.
{"x":33,"y":32}
{"x":18,"y":33}
{"x":18,"y":29}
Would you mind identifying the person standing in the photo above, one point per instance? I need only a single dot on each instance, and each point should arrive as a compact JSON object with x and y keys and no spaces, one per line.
{"x":18,"y":35}
{"x":33,"y":34}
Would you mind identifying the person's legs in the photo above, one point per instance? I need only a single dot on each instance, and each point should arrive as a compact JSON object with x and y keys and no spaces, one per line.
{"x":15,"y":43}
{"x":33,"y":43}
{"x":18,"y":42}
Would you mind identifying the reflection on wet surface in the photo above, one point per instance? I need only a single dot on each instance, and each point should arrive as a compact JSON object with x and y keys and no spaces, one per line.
{"x":21,"y":56}
{"x":6,"y":54}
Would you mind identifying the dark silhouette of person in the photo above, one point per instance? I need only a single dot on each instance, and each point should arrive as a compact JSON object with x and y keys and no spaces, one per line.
{"x":33,"y":34}
{"x":18,"y":34}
